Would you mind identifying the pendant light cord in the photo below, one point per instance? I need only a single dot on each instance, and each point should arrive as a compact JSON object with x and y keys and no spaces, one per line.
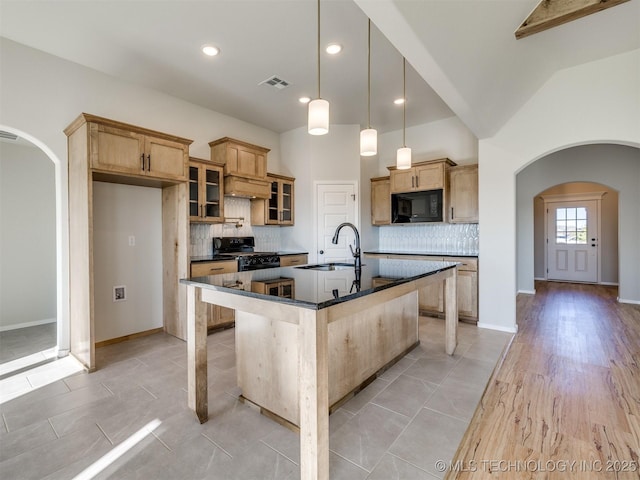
{"x":404,"y":104}
{"x":369,"y":77}
{"x":319,"y":49}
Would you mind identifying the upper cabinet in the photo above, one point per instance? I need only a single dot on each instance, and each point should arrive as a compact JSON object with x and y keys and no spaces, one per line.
{"x":380,"y":201}
{"x":278,"y":209}
{"x":463,"y":194}
{"x":206,"y":191}
{"x":118,"y":148}
{"x":429,"y":175}
{"x":245,"y":167}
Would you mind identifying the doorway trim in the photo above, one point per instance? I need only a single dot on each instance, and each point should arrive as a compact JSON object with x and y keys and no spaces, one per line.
{"x":573,"y":197}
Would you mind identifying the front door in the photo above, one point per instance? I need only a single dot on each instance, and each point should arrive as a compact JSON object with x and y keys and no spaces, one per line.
{"x":572,"y":241}
{"x":336,"y":204}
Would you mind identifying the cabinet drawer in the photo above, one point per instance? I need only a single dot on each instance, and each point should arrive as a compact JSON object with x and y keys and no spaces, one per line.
{"x":213,"y":268}
{"x":292,"y":260}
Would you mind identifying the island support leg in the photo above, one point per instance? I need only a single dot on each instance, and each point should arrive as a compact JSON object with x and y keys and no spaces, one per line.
{"x":451,"y":311}
{"x":197,"y":353}
{"x":314,"y":395}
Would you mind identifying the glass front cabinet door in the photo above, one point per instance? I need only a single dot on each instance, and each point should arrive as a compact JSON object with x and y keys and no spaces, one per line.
{"x":205,"y":192}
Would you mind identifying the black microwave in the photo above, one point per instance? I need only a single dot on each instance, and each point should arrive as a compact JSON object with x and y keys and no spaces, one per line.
{"x":417,"y":207}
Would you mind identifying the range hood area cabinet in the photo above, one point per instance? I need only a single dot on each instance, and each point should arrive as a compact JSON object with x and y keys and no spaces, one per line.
{"x":278,"y":209}
{"x":245,"y":167}
{"x":429,"y":175}
{"x":109,"y":151}
{"x":206,"y":191}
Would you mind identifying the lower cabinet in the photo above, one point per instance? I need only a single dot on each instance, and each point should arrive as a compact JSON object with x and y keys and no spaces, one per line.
{"x":279,"y":287}
{"x":219,"y":317}
{"x":293,"y":260}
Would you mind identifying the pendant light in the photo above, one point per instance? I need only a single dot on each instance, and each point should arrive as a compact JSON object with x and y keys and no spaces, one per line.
{"x":318,"y":108}
{"x":368,"y":136}
{"x":403,"y":158}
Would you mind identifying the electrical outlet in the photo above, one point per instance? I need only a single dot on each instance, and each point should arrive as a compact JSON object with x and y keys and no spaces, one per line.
{"x":120,"y":293}
{"x":132,"y":241}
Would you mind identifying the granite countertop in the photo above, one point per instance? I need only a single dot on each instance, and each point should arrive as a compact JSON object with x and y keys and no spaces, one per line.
{"x":309,"y":290}
{"x":421,"y":253}
{"x":231,"y":256}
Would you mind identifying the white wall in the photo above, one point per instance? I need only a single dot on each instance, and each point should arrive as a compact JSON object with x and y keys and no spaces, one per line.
{"x":608,"y":240}
{"x":121,"y":212}
{"x":41,"y":94}
{"x":598,"y":102}
{"x":334,"y":157}
{"x":27,"y":237}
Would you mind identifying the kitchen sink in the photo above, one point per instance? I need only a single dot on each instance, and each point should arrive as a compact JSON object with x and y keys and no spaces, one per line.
{"x":327,"y":266}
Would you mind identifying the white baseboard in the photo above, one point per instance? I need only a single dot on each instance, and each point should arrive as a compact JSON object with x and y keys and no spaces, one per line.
{"x":540,"y":279}
{"x":613,"y":284}
{"x":625,"y":300}
{"x":501,"y":328}
{"x":527,"y":292}
{"x":15,"y":326}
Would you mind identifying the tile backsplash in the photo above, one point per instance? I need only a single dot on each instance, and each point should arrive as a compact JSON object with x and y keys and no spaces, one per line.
{"x":267,"y":238}
{"x":436,"y":238}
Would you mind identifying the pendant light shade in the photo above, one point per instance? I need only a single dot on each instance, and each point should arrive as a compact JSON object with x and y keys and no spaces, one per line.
{"x":368,"y":142}
{"x":403,"y":157}
{"x":318,"y":108}
{"x":368,"y":136}
{"x":318,"y":117}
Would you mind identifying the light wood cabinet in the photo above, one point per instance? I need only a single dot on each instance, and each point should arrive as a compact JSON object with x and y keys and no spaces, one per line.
{"x":381,"y":201}
{"x":126,"y":150}
{"x":431,"y":175}
{"x":111,"y":151}
{"x":293,"y":260}
{"x":279,"y":287}
{"x":217,"y":316}
{"x":202,"y":269}
{"x":206,"y":192}
{"x":431,"y":297}
{"x":278,"y":209}
{"x":245,"y":167}
{"x":463,"y":194}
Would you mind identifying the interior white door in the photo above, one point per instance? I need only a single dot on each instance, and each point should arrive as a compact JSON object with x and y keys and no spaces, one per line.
{"x":572,"y":241}
{"x":336,"y":204}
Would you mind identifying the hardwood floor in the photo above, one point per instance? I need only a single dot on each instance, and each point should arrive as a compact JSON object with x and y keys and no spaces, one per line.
{"x":565,"y":400}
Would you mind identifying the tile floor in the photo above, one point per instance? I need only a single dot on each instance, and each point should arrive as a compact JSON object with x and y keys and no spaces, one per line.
{"x":129,"y":419}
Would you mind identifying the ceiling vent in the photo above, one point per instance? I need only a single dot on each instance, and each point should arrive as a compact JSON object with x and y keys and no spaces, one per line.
{"x":7,"y":135}
{"x":276,"y":82}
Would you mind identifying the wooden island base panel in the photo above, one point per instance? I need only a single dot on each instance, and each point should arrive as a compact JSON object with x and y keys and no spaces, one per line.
{"x":296,"y":361}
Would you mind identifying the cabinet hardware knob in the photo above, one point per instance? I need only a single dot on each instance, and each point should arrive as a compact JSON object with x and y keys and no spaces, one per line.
{"x":217,"y":268}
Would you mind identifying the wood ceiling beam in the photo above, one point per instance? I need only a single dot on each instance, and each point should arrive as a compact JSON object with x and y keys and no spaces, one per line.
{"x":551,"y":13}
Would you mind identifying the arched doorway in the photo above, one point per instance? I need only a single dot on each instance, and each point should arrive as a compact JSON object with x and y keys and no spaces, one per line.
{"x":614,"y":166}
{"x":33,"y":271}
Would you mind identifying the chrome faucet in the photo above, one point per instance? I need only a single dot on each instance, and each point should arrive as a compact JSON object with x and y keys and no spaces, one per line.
{"x":356,"y":253}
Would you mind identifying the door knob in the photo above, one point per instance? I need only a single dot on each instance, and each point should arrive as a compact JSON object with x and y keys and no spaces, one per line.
{"x":321,"y":252}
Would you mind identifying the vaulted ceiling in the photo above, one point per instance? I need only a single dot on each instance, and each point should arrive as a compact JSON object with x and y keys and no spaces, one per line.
{"x":463,"y":55}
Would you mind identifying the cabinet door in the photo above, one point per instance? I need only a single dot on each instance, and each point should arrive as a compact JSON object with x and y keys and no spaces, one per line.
{"x":165,"y":159}
{"x":431,"y":298}
{"x":245,"y":161}
{"x":429,"y":177}
{"x":286,"y":288}
{"x":117,"y":150}
{"x":402,"y":180}
{"x":468,"y":293}
{"x":272,"y":205}
{"x":292,"y":260}
{"x":211,"y":188}
{"x":381,"y":202}
{"x":195,"y":203}
{"x":463,"y":191}
{"x":286,"y":202}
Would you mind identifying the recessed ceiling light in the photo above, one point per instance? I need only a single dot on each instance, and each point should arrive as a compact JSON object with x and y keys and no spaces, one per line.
{"x":304,"y":99}
{"x":210,"y":50}
{"x":399,"y":101}
{"x":333,"y":48}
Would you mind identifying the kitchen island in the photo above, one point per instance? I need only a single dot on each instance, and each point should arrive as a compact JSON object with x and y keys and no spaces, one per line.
{"x":330,"y":331}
